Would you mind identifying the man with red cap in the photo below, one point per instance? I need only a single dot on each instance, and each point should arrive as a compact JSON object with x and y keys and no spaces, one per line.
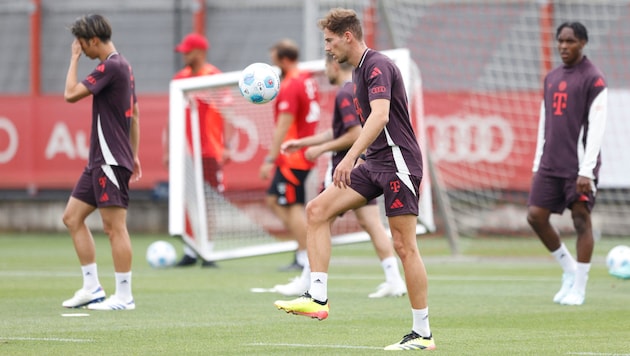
{"x":214,"y":127}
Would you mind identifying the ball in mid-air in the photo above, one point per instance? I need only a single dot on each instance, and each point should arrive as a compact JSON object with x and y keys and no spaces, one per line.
{"x":259,"y":83}
{"x":161,"y":254}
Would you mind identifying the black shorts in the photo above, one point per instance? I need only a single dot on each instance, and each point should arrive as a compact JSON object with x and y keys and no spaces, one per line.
{"x":557,"y":194}
{"x":288,"y":185}
{"x":401,"y":192}
{"x":103,"y":186}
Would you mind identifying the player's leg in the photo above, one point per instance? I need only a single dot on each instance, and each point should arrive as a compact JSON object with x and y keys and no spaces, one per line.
{"x":581,"y":214}
{"x":320,"y":212}
{"x":80,"y":205}
{"x":286,"y":197}
{"x":369,"y":219}
{"x":112,"y":187}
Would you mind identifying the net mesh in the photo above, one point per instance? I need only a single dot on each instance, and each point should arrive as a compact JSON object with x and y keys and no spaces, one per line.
{"x":238,"y":222}
{"x":483,"y":63}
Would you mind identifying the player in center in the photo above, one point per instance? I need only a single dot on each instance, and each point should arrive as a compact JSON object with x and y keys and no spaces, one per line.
{"x":392,"y":167}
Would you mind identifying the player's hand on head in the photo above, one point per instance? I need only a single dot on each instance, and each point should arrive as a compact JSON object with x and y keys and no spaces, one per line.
{"x":76,"y":48}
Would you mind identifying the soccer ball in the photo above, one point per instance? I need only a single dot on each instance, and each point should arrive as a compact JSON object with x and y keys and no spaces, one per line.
{"x":618,"y":258}
{"x":259,"y":83}
{"x":161,"y":254}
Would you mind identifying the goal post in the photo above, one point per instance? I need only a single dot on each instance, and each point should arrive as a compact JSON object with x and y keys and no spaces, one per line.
{"x":236,"y":223}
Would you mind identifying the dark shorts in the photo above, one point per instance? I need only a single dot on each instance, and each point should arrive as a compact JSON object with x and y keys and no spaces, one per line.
{"x":401,"y":192}
{"x":104,"y":186}
{"x":557,"y":194}
{"x":213,"y":173}
{"x":288,"y":186}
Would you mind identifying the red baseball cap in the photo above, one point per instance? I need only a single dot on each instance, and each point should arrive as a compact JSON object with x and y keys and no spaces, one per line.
{"x":192,"y":41}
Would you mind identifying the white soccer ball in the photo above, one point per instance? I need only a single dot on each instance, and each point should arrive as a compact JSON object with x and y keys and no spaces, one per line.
{"x":259,"y":83}
{"x":618,"y":257}
{"x":161,"y":254}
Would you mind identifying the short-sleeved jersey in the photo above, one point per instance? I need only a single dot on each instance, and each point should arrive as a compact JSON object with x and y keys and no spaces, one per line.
{"x":569,"y":113}
{"x":210,"y":119}
{"x":396,"y":148}
{"x":298,"y":96}
{"x":113,"y":88}
{"x":344,"y":117}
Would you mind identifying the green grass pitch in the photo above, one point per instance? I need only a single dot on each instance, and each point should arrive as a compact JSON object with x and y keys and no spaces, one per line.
{"x":495,"y":299}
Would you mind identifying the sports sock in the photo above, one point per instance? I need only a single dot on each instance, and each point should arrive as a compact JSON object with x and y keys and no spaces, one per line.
{"x":581,"y":276}
{"x":390,"y":267}
{"x":319,"y":286}
{"x":563,"y":256}
{"x":90,"y":277}
{"x":421,"y":322}
{"x":301,"y":256}
{"x":123,"y":286}
{"x":305,"y":276}
{"x":189,"y":252}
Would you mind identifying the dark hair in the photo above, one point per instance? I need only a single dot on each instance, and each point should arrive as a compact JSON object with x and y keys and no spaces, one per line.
{"x":578,"y":29}
{"x":286,"y":48}
{"x":90,"y":26}
{"x":340,"y":20}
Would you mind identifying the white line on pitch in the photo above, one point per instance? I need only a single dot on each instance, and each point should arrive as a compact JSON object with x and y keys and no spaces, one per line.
{"x":44,"y":339}
{"x":596,"y":354}
{"x":316,"y":346}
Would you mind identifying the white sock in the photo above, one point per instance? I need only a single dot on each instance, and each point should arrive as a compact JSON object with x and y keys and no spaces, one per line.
{"x":305,"y":277}
{"x":563,"y":256}
{"x":319,"y":286}
{"x":301,"y":256}
{"x":390,"y":267}
{"x":123,"y":286}
{"x":581,"y":277}
{"x":421,"y":322}
{"x":90,"y":277}
{"x":189,"y":252}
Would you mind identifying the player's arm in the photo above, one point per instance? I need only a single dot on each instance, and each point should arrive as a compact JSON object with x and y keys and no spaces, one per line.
{"x":597,"y":114}
{"x":134,"y":140}
{"x":374,"y":124}
{"x":293,"y":145}
{"x":283,"y":123}
{"x":74,"y":90}
{"x":540,"y":143}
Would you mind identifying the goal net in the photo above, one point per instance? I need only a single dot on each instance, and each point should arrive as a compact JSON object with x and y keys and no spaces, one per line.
{"x":483,"y":62}
{"x":236,"y":222}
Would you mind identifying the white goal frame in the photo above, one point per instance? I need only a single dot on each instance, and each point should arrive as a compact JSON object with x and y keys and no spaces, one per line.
{"x":177,"y":105}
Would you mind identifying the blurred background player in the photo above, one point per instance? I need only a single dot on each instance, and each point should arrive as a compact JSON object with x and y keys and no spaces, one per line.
{"x":567,"y":161}
{"x":214,"y":126}
{"x":346,"y":127}
{"x":296,"y":115}
{"x":113,"y":162}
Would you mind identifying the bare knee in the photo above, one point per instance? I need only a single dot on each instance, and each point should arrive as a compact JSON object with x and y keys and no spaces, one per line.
{"x":315,"y":212}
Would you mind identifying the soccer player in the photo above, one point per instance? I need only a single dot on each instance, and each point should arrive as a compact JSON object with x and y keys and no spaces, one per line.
{"x":113,"y":161}
{"x":214,"y":127}
{"x":392,"y":167}
{"x":296,"y":115}
{"x":346,"y":127}
{"x":567,"y":160}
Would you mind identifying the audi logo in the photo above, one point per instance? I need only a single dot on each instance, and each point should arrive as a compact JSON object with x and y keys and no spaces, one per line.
{"x":469,"y":139}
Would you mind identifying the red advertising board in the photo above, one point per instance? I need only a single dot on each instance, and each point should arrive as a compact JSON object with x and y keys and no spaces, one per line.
{"x":478,"y":140}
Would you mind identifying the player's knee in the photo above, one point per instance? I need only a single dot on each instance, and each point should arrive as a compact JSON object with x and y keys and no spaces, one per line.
{"x":315,"y":212}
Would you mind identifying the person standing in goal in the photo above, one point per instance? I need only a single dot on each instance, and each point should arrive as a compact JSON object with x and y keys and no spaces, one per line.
{"x":567,"y":160}
{"x":392,"y":168}
{"x":214,"y":127}
{"x":113,"y":161}
{"x":296,"y":111}
{"x":346,"y":127}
